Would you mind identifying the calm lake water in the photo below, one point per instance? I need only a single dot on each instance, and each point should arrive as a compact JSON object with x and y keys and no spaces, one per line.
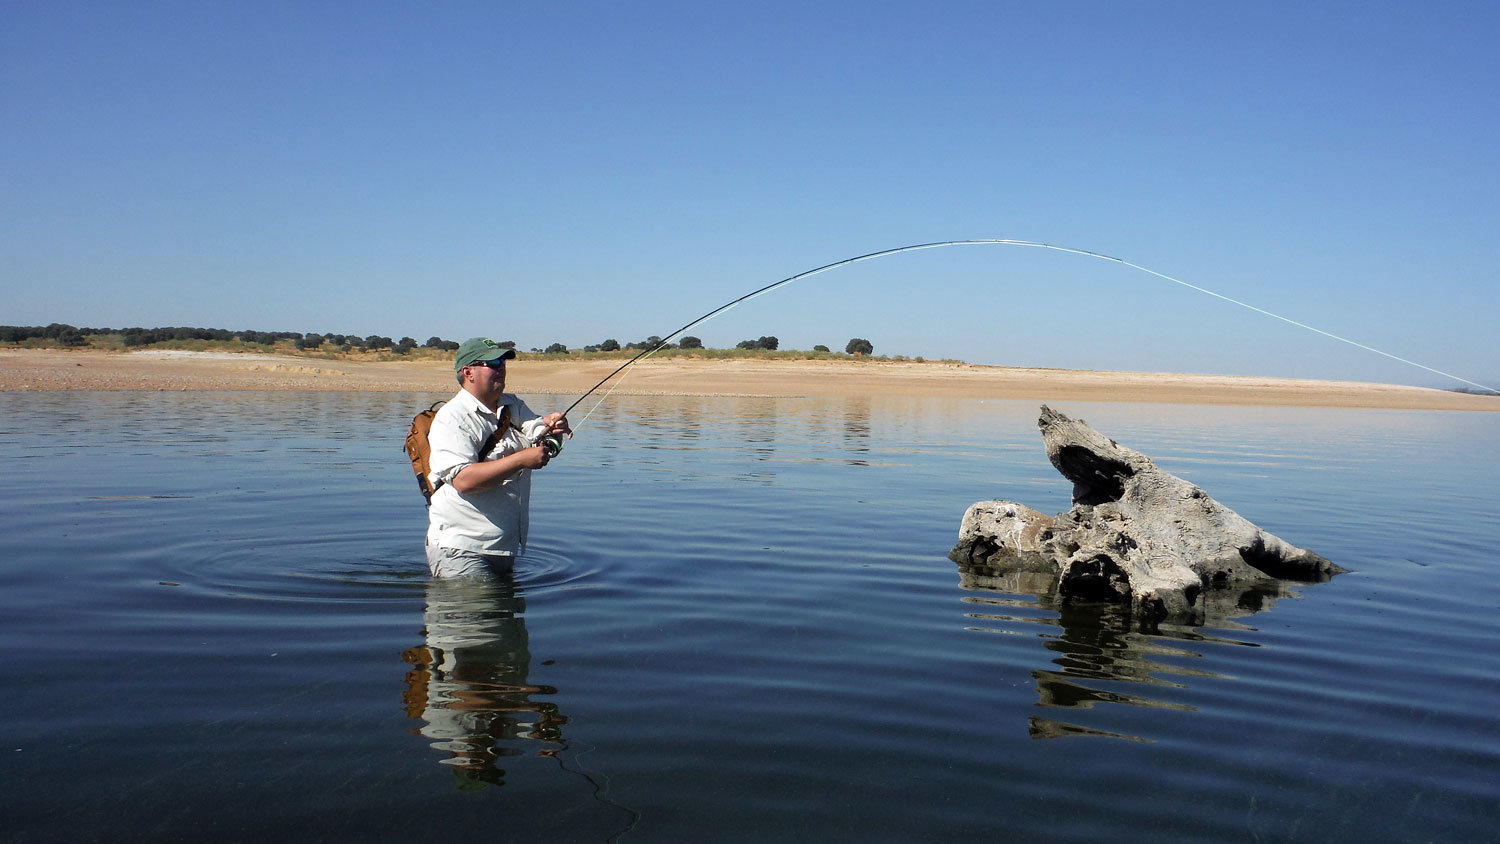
{"x":736,"y":622}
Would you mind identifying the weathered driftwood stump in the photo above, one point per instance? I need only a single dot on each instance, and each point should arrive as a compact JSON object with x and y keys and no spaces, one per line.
{"x":1136,"y":534}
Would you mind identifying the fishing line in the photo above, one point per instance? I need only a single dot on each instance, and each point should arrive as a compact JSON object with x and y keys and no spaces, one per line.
{"x":599,"y":790}
{"x":645,"y":353}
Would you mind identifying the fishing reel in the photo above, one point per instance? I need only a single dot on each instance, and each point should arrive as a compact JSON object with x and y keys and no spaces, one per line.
{"x":551,"y":444}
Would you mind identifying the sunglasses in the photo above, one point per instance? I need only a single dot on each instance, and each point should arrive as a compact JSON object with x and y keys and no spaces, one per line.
{"x":491,"y":364}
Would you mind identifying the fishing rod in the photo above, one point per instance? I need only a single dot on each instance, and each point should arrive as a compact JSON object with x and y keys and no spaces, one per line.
{"x":664,"y":341}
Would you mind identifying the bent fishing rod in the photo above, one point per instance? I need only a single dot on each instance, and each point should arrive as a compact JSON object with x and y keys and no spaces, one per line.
{"x":664,"y":341}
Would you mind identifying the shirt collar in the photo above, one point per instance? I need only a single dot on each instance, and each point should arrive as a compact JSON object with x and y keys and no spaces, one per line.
{"x":469,"y":403}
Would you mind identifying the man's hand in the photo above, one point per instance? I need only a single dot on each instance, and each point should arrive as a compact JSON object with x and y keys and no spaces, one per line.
{"x":557,"y":425}
{"x":531,"y":458}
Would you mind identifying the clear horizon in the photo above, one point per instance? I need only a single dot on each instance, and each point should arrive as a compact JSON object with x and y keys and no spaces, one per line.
{"x":575,"y":173}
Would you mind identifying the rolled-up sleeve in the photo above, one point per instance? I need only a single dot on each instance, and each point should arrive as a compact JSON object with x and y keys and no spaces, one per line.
{"x":526,"y":419}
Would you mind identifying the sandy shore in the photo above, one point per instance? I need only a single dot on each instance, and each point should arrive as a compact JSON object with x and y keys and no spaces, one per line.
{"x":27,"y":369}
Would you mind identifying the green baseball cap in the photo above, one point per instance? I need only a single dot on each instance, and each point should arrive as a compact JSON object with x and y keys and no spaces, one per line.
{"x":480,"y":348}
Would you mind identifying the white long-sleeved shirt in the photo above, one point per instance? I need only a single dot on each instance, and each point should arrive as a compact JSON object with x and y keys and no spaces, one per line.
{"x":491,"y":521}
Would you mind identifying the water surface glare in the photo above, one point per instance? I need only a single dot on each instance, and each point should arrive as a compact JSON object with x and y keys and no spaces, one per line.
{"x":736,"y":622}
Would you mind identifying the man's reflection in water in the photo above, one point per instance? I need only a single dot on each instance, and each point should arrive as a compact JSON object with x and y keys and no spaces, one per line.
{"x":468,"y":681}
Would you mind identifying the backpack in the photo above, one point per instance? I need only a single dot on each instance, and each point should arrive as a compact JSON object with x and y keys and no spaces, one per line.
{"x":420,"y":450}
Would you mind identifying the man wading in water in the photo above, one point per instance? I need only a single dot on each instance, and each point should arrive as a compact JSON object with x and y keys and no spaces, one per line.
{"x":485,"y":444}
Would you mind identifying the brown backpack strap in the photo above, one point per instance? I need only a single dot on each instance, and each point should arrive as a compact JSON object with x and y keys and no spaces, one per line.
{"x":494,"y":439}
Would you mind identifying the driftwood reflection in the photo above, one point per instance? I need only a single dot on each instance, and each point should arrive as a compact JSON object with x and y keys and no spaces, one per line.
{"x":1096,"y":647}
{"x":468,"y":681}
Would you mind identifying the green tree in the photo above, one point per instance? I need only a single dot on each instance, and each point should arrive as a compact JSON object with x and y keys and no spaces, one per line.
{"x":859,"y":346}
{"x":610,"y":345}
{"x":557,"y":349}
{"x":690,"y":342}
{"x":820,"y":348}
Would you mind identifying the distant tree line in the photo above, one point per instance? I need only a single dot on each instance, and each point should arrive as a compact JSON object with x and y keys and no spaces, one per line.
{"x":58,"y":332}
{"x":68,"y":335}
{"x":652,"y":342}
{"x":856,"y":346}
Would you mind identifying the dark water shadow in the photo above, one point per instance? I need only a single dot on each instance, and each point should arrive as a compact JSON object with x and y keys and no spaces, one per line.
{"x":1098,"y":647}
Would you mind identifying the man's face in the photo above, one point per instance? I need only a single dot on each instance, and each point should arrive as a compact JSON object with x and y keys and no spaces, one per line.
{"x":488,"y":378}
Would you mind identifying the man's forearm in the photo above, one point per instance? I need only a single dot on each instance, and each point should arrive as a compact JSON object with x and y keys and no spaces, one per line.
{"x":478,"y":477}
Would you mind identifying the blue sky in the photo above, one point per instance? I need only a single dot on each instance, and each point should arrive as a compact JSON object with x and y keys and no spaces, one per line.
{"x":569,"y":172}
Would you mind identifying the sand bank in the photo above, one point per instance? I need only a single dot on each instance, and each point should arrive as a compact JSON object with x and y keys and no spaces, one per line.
{"x":31,"y":369}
